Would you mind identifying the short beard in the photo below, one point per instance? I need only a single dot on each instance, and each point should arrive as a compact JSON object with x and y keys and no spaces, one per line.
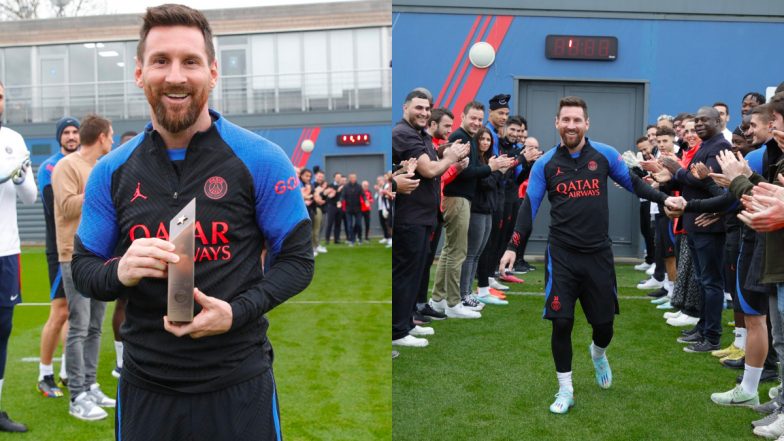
{"x":171,"y":121}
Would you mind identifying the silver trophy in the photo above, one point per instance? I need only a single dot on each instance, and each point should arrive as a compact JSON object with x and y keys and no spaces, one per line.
{"x":180,"y":296}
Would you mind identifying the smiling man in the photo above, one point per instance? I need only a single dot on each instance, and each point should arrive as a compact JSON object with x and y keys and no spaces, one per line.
{"x":210,"y":378}
{"x":579,"y":259}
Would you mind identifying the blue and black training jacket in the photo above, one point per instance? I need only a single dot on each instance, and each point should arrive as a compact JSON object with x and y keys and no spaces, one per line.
{"x":247,"y":199}
{"x":576,"y":186}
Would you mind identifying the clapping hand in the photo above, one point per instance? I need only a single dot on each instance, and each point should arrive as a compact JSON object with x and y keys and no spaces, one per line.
{"x":670,"y":164}
{"x":733,"y":165}
{"x":706,"y":219}
{"x":700,"y":171}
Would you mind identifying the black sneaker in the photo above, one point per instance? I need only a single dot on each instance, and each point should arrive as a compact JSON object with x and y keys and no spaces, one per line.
{"x":703,"y":346}
{"x":48,"y":388}
{"x":661,"y":292}
{"x":520,"y":268}
{"x":9,"y":425}
{"x":420,"y":319}
{"x":691,"y":331}
{"x":734,"y":364}
{"x":691,"y":338}
{"x":428,"y":311}
{"x":768,"y":375}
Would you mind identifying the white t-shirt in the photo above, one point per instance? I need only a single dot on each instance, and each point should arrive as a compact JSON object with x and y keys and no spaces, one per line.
{"x":13,"y":151}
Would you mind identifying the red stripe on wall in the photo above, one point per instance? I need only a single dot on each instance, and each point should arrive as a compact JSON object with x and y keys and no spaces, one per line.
{"x":313,"y":136}
{"x":476,"y":76}
{"x":445,"y":86}
{"x":297,"y":151}
{"x":466,"y":64}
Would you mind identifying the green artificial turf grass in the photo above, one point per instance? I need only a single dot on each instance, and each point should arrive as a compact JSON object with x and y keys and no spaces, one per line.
{"x":494,"y":378}
{"x":331,"y":344}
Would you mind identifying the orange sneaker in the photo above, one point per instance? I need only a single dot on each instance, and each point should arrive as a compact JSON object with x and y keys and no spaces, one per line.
{"x":497,"y":293}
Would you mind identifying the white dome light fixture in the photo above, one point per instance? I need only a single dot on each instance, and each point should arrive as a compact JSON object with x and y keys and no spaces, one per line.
{"x":307,"y":146}
{"x":481,"y":54}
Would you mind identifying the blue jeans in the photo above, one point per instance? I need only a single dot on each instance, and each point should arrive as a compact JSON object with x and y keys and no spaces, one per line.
{"x":478,"y":232}
{"x":354,"y":225}
{"x":708,"y":251}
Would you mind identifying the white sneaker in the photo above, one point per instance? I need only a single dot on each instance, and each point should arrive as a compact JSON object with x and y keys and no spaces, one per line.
{"x":773,"y":430}
{"x":651,"y":270}
{"x":650,"y":284}
{"x":85,"y":409}
{"x":384,"y":240}
{"x":672,"y":315}
{"x":321,"y":249}
{"x":495,"y":285}
{"x":389,"y":243}
{"x":683,"y":320}
{"x":421,"y":331}
{"x":491,"y":300}
{"x":642,"y":267}
{"x":96,"y":395}
{"x":461,"y":312}
{"x":410,"y":341}
{"x":315,"y":253}
{"x":439,"y":306}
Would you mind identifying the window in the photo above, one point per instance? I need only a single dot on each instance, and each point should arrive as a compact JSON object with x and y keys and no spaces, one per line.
{"x":18,"y":82}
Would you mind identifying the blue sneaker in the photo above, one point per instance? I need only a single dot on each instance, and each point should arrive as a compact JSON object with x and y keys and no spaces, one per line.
{"x":603,"y":371}
{"x":563,"y":401}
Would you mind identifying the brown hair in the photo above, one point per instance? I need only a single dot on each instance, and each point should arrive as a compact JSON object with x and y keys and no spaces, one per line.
{"x":473,"y":105}
{"x":665,"y":131}
{"x":572,"y":101}
{"x":175,"y":15}
{"x":91,"y":127}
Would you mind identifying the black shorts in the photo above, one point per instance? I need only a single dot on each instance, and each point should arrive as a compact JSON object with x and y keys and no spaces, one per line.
{"x":750,"y":302}
{"x":242,"y":412}
{"x":10,"y":283}
{"x":56,"y":290}
{"x":664,"y":236}
{"x":570,"y":276}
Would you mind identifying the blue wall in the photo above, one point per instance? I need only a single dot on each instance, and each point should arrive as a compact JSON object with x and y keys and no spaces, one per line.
{"x":687,"y":63}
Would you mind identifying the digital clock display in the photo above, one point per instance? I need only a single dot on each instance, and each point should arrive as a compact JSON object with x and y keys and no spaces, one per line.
{"x":581,"y":47}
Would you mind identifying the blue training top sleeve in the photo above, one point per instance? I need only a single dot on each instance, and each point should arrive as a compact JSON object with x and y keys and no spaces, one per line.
{"x":755,"y":158}
{"x":279,"y":203}
{"x":618,"y":171}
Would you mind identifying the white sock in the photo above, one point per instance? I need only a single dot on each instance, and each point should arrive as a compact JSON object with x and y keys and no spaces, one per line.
{"x":668,"y":286}
{"x":118,"y":349}
{"x":1,"y":387}
{"x":596,"y":351}
{"x":44,"y":370}
{"x":63,"y":373}
{"x":751,"y":378}
{"x":565,"y":381}
{"x":484,"y":290}
{"x":740,"y":338}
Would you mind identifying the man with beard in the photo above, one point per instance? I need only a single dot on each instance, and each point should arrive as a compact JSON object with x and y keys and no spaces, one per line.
{"x":439,"y":127}
{"x":16,"y":181}
{"x":415,"y":213}
{"x":56,"y":327}
{"x":210,"y":377}
{"x":579,"y":259}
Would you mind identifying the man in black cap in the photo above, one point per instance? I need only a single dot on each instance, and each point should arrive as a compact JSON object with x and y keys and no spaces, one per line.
{"x":496,"y":120}
{"x":67,"y":135}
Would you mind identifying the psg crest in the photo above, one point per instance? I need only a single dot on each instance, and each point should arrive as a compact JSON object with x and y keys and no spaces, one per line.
{"x":215,"y":187}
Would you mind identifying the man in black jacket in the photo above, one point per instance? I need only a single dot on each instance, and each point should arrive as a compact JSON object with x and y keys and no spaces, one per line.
{"x":705,"y":242}
{"x":351,"y":194}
